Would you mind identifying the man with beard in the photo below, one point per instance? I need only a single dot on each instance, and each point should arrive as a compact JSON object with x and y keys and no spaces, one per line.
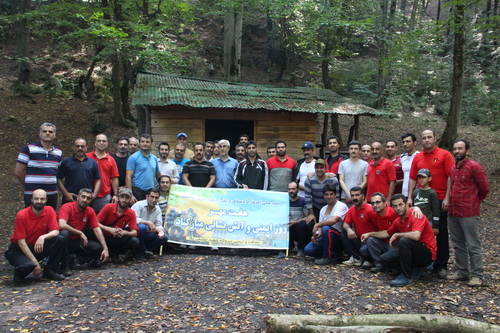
{"x":166,"y":165}
{"x":299,"y":230}
{"x":366,"y":153}
{"x":439,"y":162}
{"x":313,"y":189}
{"x":78,"y":171}
{"x":242,"y":140}
{"x":469,"y":187}
{"x":182,"y":139}
{"x":121,"y":158}
{"x":333,"y":161}
{"x":151,"y":232}
{"x":326,"y":241}
{"x":271,"y":152}
{"x":391,"y":153}
{"x":252,"y":172}
{"x":109,"y":173}
{"x":358,"y":221}
{"x":180,"y":161}
{"x":239,"y":152}
{"x":198,"y":172}
{"x":119,"y":225}
{"x":280,"y":168}
{"x":352,"y":172}
{"x":37,"y":164}
{"x":305,"y":166}
{"x":381,"y":173}
{"x":75,"y":220}
{"x":225,"y":167}
{"x":142,"y":169}
{"x":36,"y":236}
{"x":410,"y":147}
{"x":209,"y":150}
{"x":164,"y":183}
{"x":133,"y":145}
{"x":412,"y":245}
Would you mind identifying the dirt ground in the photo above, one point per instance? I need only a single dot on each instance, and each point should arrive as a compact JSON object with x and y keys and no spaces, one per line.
{"x":227,"y":291}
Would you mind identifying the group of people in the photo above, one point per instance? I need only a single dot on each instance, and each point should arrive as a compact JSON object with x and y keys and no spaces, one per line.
{"x":366,"y":205}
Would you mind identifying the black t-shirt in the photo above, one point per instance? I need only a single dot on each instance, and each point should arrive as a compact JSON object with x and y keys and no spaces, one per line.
{"x":121,"y":163}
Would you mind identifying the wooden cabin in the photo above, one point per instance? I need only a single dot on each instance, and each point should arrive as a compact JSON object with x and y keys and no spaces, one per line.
{"x":213,"y":110}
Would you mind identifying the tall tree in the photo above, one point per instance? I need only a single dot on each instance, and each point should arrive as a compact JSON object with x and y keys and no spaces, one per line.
{"x":233,"y":25}
{"x":22,"y":29}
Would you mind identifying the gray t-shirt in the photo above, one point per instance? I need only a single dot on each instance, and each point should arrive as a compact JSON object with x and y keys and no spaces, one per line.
{"x":353,"y":173}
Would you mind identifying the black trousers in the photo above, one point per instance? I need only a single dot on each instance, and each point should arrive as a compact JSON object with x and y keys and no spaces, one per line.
{"x":407,"y":255}
{"x":301,"y":233}
{"x":52,"y":248}
{"x":121,"y":245}
{"x":443,"y":245}
{"x":83,"y":254}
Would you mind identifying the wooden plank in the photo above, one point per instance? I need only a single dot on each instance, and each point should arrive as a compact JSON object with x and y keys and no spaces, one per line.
{"x":174,"y":131}
{"x":180,"y":123}
{"x":229,"y":114}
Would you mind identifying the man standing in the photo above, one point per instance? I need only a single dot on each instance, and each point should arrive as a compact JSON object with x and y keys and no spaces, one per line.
{"x":37,"y":164}
{"x":109,"y":173}
{"x":381,"y":174}
{"x":225,"y":167}
{"x":166,"y":165}
{"x":78,"y":171}
{"x":239,"y":152}
{"x":439,"y":163}
{"x":271,"y":151}
{"x":352,"y":172}
{"x":36,"y":236}
{"x":242,"y":140}
{"x":326,"y":241}
{"x":252,"y":172}
{"x":133,"y":145}
{"x":75,"y":219}
{"x":313,"y":188}
{"x":391,"y":153}
{"x":165,"y":183}
{"x":300,"y":231}
{"x":280,"y":168}
{"x":151,"y":232}
{"x":366,"y":153}
{"x":305,"y":166}
{"x":333,"y":161}
{"x":119,"y":224}
{"x":209,"y":150}
{"x":412,"y":243}
{"x":121,"y":158}
{"x":410,"y":147}
{"x":198,"y":172}
{"x":182,"y":138}
{"x":142,"y":169}
{"x":469,"y":187}
{"x":180,"y":161}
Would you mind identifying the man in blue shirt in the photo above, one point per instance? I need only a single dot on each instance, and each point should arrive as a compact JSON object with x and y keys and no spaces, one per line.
{"x":142,"y":169}
{"x":180,"y":160}
{"x":225,"y":167}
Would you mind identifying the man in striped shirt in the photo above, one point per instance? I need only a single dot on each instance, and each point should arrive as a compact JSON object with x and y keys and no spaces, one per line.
{"x":37,"y":164}
{"x":313,"y":188}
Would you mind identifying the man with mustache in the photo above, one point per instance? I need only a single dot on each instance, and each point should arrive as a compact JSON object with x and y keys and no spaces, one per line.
{"x":305,"y":166}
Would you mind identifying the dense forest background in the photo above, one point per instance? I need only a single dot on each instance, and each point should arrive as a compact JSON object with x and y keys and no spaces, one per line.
{"x":401,"y":56}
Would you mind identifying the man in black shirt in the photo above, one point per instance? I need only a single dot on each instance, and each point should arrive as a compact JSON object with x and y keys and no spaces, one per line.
{"x":198,"y":172}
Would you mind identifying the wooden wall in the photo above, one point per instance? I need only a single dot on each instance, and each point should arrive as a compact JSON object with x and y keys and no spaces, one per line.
{"x":269,"y":126}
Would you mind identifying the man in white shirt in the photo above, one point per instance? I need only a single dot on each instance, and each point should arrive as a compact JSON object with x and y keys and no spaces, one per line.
{"x":166,"y":165}
{"x":410,"y":147}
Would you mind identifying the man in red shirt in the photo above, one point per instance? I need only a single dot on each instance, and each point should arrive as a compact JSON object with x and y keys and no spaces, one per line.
{"x":118,"y":223}
{"x":360,"y":218}
{"x":36,"y":236}
{"x":333,"y":161}
{"x":412,"y":242}
{"x":381,"y":174}
{"x":75,"y":220}
{"x":109,"y":173}
{"x":469,"y":187}
{"x":391,"y":153}
{"x":280,"y":168}
{"x":439,"y":163}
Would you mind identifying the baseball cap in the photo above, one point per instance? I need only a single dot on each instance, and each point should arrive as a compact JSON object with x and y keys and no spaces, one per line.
{"x":125,"y":191}
{"x":320,"y":161}
{"x":307,"y":145}
{"x":182,"y":134}
{"x":424,"y":172}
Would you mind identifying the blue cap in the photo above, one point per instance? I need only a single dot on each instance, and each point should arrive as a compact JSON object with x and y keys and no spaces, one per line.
{"x":182,"y":134}
{"x":308,"y":145}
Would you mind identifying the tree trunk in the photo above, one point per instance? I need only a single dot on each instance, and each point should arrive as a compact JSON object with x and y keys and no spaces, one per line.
{"x":438,"y":14}
{"x":451,"y":128}
{"x":233,"y":25}
{"x":116,"y":78}
{"x":22,"y":31}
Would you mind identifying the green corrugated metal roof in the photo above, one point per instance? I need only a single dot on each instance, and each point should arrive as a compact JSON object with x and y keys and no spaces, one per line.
{"x":154,"y":89}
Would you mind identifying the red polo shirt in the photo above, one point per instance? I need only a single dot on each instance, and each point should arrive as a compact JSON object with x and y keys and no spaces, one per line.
{"x":76,"y":219}
{"x":379,"y":177}
{"x":362,"y":219}
{"x":439,"y":163}
{"x":411,"y":223}
{"x":109,"y":217}
{"x":108,"y":170}
{"x":30,"y":226}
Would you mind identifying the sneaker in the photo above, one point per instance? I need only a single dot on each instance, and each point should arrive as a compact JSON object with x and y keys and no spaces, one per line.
{"x":65,"y":271}
{"x":377,"y":269}
{"x":96,"y":263}
{"x":441,"y":273}
{"x":416,"y":272}
{"x":148,"y":254}
{"x":475,"y":281}
{"x":401,"y":281}
{"x":141,"y":257}
{"x":456,"y":276}
{"x":52,"y":275}
{"x":309,"y":258}
{"x":352,"y":262}
{"x":301,"y":254}
{"x":324,"y":261}
{"x":367,"y":264}
{"x":281,"y":254}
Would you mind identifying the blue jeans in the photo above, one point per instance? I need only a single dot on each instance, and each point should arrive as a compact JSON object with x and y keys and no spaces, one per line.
{"x":355,"y":248}
{"x":149,"y":240}
{"x":329,"y":245}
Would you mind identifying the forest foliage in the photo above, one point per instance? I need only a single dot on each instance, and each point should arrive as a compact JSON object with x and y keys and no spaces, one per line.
{"x":397,"y":55}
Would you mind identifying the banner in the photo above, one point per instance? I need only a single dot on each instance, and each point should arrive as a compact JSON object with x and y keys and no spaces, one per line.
{"x":234,"y":218}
